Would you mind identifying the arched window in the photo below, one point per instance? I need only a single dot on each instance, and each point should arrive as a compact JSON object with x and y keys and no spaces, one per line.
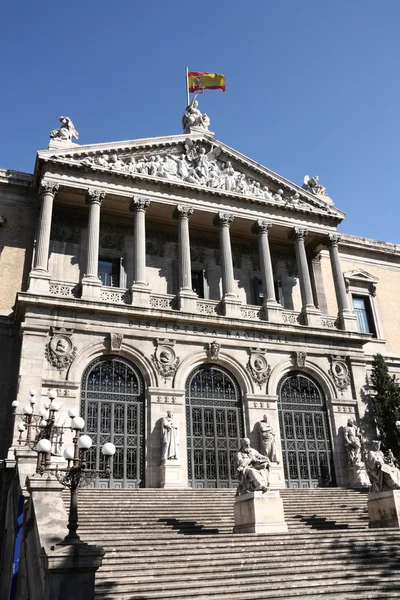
{"x":306,"y":444}
{"x":112,"y":405}
{"x":214,"y":426}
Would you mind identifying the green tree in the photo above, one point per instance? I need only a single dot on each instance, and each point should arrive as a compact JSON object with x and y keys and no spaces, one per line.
{"x":386,"y":405}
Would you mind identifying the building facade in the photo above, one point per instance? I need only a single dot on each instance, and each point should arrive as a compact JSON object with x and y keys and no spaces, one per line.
{"x":176,"y":275}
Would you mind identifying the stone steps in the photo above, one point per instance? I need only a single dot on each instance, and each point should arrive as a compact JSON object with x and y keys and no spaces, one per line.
{"x":178,"y":544}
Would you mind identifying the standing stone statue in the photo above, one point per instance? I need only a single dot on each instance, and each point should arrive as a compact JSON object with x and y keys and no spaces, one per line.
{"x":267,"y":439}
{"x":252,"y":469}
{"x":66,"y":132}
{"x":383,"y":476}
{"x":352,"y":442}
{"x":169,"y":438}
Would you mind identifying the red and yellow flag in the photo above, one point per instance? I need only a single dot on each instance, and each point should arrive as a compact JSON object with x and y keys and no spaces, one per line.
{"x":210,"y":81}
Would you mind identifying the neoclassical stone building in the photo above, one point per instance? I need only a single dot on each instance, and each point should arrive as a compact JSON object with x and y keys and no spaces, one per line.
{"x":176,"y":274}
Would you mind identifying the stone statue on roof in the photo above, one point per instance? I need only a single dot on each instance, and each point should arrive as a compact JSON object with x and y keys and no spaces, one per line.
{"x":66,"y":132}
{"x":311,"y":184}
{"x":193,"y":117}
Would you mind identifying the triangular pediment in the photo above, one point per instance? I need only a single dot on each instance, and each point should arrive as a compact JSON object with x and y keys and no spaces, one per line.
{"x":361,"y":276}
{"x":195,"y":161}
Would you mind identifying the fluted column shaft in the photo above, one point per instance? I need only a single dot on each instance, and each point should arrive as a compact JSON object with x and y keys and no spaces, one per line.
{"x":47,"y":192}
{"x":332,"y":242}
{"x":223,"y":221}
{"x":298,"y":235}
{"x":261,"y":228}
{"x":182,"y":214}
{"x":138,"y":208}
{"x":94,"y":199}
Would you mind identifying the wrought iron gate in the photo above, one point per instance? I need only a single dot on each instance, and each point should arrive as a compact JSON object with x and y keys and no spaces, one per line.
{"x":112,"y":404}
{"x":214,"y":427}
{"x":306,"y":445}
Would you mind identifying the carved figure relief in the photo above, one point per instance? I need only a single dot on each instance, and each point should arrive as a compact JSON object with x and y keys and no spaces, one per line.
{"x":112,"y":237}
{"x":258,"y":366}
{"x":116,"y":341}
{"x":339,"y":372}
{"x":164,"y":358}
{"x":213,"y":349}
{"x":299,"y":358}
{"x":60,"y":351}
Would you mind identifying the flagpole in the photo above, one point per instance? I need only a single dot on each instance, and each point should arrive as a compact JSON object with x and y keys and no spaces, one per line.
{"x":187,"y":87}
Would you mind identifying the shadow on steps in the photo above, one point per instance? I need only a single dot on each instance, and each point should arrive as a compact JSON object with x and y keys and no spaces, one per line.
{"x":320,"y":522}
{"x":189,"y":527}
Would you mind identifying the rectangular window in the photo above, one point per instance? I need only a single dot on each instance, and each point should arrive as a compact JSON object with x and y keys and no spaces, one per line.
{"x":109,"y":271}
{"x":259,"y":295}
{"x":362,"y":310}
{"x":198,"y":283}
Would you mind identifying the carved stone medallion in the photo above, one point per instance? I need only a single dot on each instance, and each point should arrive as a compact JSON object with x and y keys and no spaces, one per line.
{"x":339,"y":372}
{"x":258,"y":366}
{"x":164,"y":358}
{"x":60,"y":351}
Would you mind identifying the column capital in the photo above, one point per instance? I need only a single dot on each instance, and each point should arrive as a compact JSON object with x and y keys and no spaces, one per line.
{"x":223,"y":219}
{"x":48,"y":187}
{"x":332,"y":239}
{"x":182,"y":212}
{"x":261,"y":226}
{"x":297,"y":233}
{"x":139,"y":203}
{"x":94,"y":196}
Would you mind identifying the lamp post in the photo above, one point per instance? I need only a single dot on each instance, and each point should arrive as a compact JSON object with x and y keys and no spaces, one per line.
{"x":76,"y":474}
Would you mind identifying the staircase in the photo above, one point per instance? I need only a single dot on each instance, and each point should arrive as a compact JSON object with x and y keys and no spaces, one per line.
{"x":164,"y":544}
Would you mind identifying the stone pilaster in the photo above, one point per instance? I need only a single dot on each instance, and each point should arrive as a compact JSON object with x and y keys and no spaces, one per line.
{"x":346,"y":315}
{"x":139,"y":288}
{"x":186,"y":296}
{"x":230,"y":302}
{"x":311,"y":314}
{"x":91,"y":283}
{"x":272,"y":309}
{"x":39,"y":277}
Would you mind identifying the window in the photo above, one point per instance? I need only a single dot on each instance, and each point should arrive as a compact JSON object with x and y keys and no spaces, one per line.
{"x":109,"y":272}
{"x":259,"y":295}
{"x":198,"y":282}
{"x":362,"y":309}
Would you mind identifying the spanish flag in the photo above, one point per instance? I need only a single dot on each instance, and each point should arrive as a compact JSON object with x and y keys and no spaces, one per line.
{"x":210,"y":81}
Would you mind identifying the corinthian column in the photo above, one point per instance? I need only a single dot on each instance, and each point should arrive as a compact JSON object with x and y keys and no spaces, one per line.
{"x":139,"y":288}
{"x":186,"y":296}
{"x":308,"y":309}
{"x":346,"y":315}
{"x":272,"y":309}
{"x":230,"y":300}
{"x":39,"y":277}
{"x":91,"y":283}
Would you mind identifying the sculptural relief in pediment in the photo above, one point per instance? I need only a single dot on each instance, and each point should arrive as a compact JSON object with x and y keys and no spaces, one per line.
{"x":196,"y":163}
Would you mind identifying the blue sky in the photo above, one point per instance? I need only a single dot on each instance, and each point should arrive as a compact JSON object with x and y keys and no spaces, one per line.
{"x":313,"y":86}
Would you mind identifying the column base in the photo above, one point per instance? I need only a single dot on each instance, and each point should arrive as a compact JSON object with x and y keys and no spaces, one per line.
{"x":273,"y":311}
{"x":358,"y":477}
{"x":91,"y":287}
{"x":259,"y":512}
{"x":348,"y":321}
{"x":311,"y":316}
{"x":39,"y":281}
{"x":384,"y":509}
{"x":276,"y":476}
{"x":231,"y":307}
{"x":171,"y":474}
{"x":140,"y":295}
{"x":187,"y":301}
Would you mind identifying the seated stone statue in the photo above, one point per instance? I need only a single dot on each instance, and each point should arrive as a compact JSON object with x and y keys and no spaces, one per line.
{"x":252,"y":469}
{"x":383,"y":476}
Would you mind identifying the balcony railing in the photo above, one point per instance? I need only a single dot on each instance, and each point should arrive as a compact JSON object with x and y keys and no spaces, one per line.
{"x":65,"y":290}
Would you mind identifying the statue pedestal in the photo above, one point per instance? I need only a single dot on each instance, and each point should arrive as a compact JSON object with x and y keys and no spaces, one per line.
{"x":358,"y":477}
{"x":171,"y":474}
{"x":259,"y":512}
{"x":384,"y":509}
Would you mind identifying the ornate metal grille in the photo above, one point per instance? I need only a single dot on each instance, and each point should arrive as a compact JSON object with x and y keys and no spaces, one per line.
{"x":214,"y":426}
{"x":112,"y":404}
{"x":306,"y":445}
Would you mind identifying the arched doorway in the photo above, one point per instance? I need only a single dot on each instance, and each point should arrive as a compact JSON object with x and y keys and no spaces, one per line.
{"x":214,"y":424}
{"x":112,"y":405}
{"x":306,"y":444}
